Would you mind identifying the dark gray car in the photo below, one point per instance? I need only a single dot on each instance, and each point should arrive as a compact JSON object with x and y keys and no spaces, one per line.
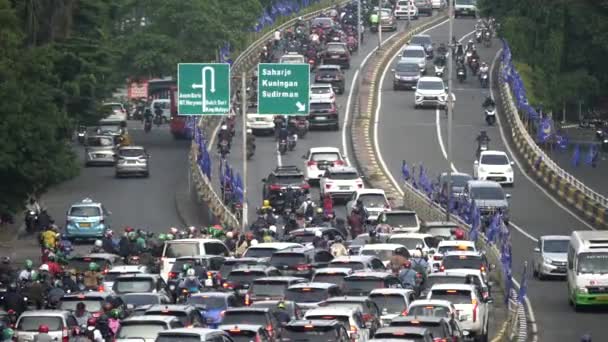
{"x":405,"y":75}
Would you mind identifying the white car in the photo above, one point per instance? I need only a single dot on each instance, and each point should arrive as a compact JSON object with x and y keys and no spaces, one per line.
{"x":430,"y":91}
{"x":494,"y":166}
{"x":550,"y":256}
{"x":402,"y":9}
{"x":260,"y":123}
{"x":374,"y":201}
{"x":412,"y":241}
{"x":318,"y":159}
{"x":340,"y":182}
{"x":439,"y":4}
{"x":446,"y":246}
{"x":292,"y":58}
{"x":322,"y":92}
{"x":391,"y":302}
{"x":351,"y":317}
{"x":473,"y":310}
{"x":384,"y":251}
{"x":117,"y":271}
{"x":116,"y":111}
{"x":432,"y":307}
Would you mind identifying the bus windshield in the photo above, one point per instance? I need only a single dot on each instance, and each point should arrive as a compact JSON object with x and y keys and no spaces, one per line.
{"x":596,"y":263}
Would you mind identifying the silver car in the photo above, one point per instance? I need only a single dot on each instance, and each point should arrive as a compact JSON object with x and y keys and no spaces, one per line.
{"x":99,"y":150}
{"x":132,"y":160}
{"x":550,"y":256}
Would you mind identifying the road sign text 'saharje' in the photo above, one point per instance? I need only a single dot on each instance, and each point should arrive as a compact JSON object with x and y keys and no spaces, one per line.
{"x":203,"y":88}
{"x":283,"y":88}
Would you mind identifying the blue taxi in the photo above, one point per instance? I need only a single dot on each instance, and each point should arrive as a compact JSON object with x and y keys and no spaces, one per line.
{"x":87,"y":220}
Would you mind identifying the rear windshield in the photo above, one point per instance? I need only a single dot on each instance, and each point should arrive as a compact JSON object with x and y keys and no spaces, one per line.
{"x":373,"y":200}
{"x":209,"y":302}
{"x":408,"y":242}
{"x":269,"y":288}
{"x":342,"y":319}
{"x":100,"y":141}
{"x":91,"y":304}
{"x":259,"y":252}
{"x":439,"y":231}
{"x":336,"y":278}
{"x":320,"y":105}
{"x":451,"y":279}
{"x":130,"y":153}
{"x":401,"y":220}
{"x":242,"y":335}
{"x":494,"y":159}
{"x":31,"y":323}
{"x":133,"y":285}
{"x":181,"y":249}
{"x":82,"y":264}
{"x":434,"y":327}
{"x":362,"y":285}
{"x":453,"y":296}
{"x":287,"y":259}
{"x":429,"y":310}
{"x":285,"y":179}
{"x":421,"y":40}
{"x":245,"y":317}
{"x":335,"y":48}
{"x":389,"y":303}
{"x":84,"y":212}
{"x":147,"y":330}
{"x":292,"y":59}
{"x":310,"y":334}
{"x":177,"y":338}
{"x":462,"y":261}
{"x":141,"y":299}
{"x":245,"y":277}
{"x":111,"y":276}
{"x":413,"y":53}
{"x":306,"y":295}
{"x":343,"y":175}
{"x":327,"y":73}
{"x":330,"y":157}
{"x":353,"y":265}
{"x":113,"y":107}
{"x":303,"y":237}
{"x":320,"y":90}
{"x":228,"y":265}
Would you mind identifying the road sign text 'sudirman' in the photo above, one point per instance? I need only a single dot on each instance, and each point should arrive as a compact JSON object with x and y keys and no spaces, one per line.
{"x":283,"y":88}
{"x":203,"y":88}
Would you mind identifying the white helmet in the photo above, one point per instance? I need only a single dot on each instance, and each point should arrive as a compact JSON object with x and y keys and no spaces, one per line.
{"x":254,"y":242}
{"x":98,"y":243}
{"x":224,"y":127}
{"x":249,"y":131}
{"x":318,"y":233}
{"x":416,"y":254}
{"x":43,"y":267}
{"x":273,"y":228}
{"x":192,"y":229}
{"x":173,"y":230}
{"x":229,"y":235}
{"x":190,"y":272}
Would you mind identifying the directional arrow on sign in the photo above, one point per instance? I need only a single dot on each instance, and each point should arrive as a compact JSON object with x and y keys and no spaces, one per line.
{"x":301,"y":106}
{"x":203,"y":85}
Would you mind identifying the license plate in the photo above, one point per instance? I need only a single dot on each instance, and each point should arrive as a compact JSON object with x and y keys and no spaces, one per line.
{"x":561,"y":269}
{"x":321,"y":118}
{"x":335,"y":56}
{"x":86,"y":224}
{"x":260,"y":119}
{"x":344,"y":188}
{"x":131,"y":162}
{"x":100,"y":155}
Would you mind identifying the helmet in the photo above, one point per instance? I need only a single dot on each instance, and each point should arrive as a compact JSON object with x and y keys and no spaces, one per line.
{"x":281,"y":305}
{"x":470,"y":41}
{"x":224,"y":127}
{"x":7,"y":334}
{"x":43,"y":268}
{"x":132,"y":235}
{"x":6,"y":260}
{"x":93,"y":267}
{"x":91,"y":321}
{"x":254,"y":242}
{"x":407,"y":264}
{"x":12,"y":286}
{"x":98,"y":243}
{"x":586,"y":338}
{"x":416,"y":254}
{"x":273,"y":228}
{"x":459,"y":234}
{"x":192,"y":229}
{"x":28,"y":263}
{"x":249,"y":131}
{"x":170,"y":236}
{"x":318,"y":233}
{"x":266,"y":203}
{"x":190,"y":272}
{"x":109,"y":232}
{"x":115,"y":313}
{"x":128,"y":229}
{"x":51,"y":256}
{"x":319,"y":210}
{"x":173,"y":230}
{"x":43,"y":328}
{"x":338,"y":238}
{"x":229,"y":235}
{"x":162,"y":236}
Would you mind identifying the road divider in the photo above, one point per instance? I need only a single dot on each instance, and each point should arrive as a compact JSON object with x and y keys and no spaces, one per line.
{"x":367,"y":157}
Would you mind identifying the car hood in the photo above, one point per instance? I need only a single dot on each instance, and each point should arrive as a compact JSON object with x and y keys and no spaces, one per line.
{"x":563,"y":257}
{"x":499,"y":203}
{"x":495,"y":168}
{"x":430,"y":92}
{"x":416,"y":60}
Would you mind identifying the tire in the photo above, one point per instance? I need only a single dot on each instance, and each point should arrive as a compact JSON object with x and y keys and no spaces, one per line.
{"x":336,"y":127}
{"x":395,"y":87}
{"x":147,"y":174}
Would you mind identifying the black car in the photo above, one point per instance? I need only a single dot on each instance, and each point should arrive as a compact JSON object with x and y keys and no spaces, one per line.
{"x":241,"y":278}
{"x":307,"y":235}
{"x":405,"y":75}
{"x":337,"y":54}
{"x":277,"y":182}
{"x":363,"y":282}
{"x":300,"y":262}
{"x":231,"y":263}
{"x":333,"y":75}
{"x":323,"y":114}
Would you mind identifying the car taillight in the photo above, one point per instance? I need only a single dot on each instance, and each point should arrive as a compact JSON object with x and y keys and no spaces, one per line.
{"x":172,"y":275}
{"x":404,"y":313}
{"x":367,"y":317}
{"x":311,"y":163}
{"x":437,"y":257}
{"x":247,"y":299}
{"x":101,"y":288}
{"x":64,"y":335}
{"x":475,"y":311}
{"x":328,"y":185}
{"x":441,"y":268}
{"x":303,"y":267}
{"x":338,"y":162}
{"x":360,"y":185}
{"x":439,"y":339}
{"x":227,"y":285}
{"x":209,"y":275}
{"x":275,"y":187}
{"x":482,"y":269}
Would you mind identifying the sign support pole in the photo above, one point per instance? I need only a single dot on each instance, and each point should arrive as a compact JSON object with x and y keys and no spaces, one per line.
{"x":450,"y":104}
{"x":379,"y":25}
{"x":244,"y":128}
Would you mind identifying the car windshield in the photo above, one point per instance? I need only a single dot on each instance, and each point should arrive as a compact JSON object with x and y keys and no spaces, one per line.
{"x":91,"y":304}
{"x":337,"y":48}
{"x":245,"y":317}
{"x":487,"y":193}
{"x":406,"y":67}
{"x":343,"y":175}
{"x":401,"y":220}
{"x":361,"y":286}
{"x":453,"y":296}
{"x":181,"y":249}
{"x":133,"y":285}
{"x":310,"y":334}
{"x":462,"y":261}
{"x":31,"y":323}
{"x":144,"y":330}
{"x":114,"y":107}
{"x":259,"y":252}
{"x":430,"y":85}
{"x":100,"y":141}
{"x":429,"y":310}
{"x":287,"y":259}
{"x":177,"y":338}
{"x":593,"y":263}
{"x":209,"y":302}
{"x":555,"y":246}
{"x":320,"y":90}
{"x":269,"y":288}
{"x":386,"y":13}
{"x":457,"y":180}
{"x":353,"y":265}
{"x":325,"y":156}
{"x":445,"y":249}
{"x":303,"y":237}
{"x":320,"y":106}
{"x":382,"y":254}
{"x":332,"y":278}
{"x":421,"y":40}
{"x":306,"y":295}
{"x":130,"y":152}
{"x":407,"y":242}
{"x":373,"y":200}
{"x":389,"y":303}
{"x":85,"y":212}
{"x":494,"y":159}
{"x":413,"y":53}
{"x":139,"y":299}
{"x":288,"y":179}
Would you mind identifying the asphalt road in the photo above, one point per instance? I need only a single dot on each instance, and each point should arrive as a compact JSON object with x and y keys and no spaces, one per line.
{"x":420,"y":136}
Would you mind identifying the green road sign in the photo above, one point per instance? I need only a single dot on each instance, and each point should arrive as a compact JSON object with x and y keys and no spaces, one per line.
{"x":203,"y":88}
{"x":283,"y":88}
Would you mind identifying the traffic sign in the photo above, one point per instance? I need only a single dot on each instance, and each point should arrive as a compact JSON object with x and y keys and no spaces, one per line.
{"x":283,"y":88}
{"x":203,"y":88}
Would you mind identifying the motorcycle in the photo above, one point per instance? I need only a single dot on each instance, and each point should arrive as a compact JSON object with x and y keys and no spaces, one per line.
{"x":487,"y":39}
{"x":312,"y":62}
{"x":250,"y":151}
{"x":439,"y":69}
{"x":460,"y":73}
{"x":478,"y":36}
{"x":351,"y":43}
{"x":474,"y":65}
{"x":224,"y":150}
{"x":31,"y":220}
{"x":282,"y":147}
{"x":291,"y":142}
{"x":147,"y":126}
{"x":158,"y":120}
{"x":482,"y":147}
{"x":483,"y":79}
{"x":81,"y":134}
{"x":490,"y":115}
{"x":468,"y":56}
{"x":429,"y":52}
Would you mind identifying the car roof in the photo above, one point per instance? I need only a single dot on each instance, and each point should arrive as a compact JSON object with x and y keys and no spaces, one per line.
{"x":339,"y":169}
{"x":456,"y":243}
{"x":147,"y":318}
{"x":455,"y":174}
{"x":208,"y":256}
{"x":131,"y":147}
{"x":328,"y":66}
{"x":236,"y":260}
{"x":138,"y":276}
{"x":248,"y":309}
{"x":127,"y":268}
{"x":413,"y":47}
{"x":324,"y":149}
{"x":321,"y":100}
{"x":329,"y":270}
{"x":442,"y":302}
{"x":462,"y":271}
{"x":191,"y":331}
{"x":85,"y":295}
{"x":412,"y":235}
{"x":311,"y":230}
{"x":331,"y":311}
{"x":314,"y":322}
{"x":494,"y":152}
{"x":422,"y":35}
{"x":194,"y":240}
{"x":212,"y":294}
{"x":483,"y":183}
{"x":433,"y":319}
{"x":555,"y":237}
{"x":369,"y":274}
{"x":171,"y":307}
{"x":382,"y":246}
{"x":370,"y":191}
{"x":277,"y":245}
{"x":248,"y":267}
{"x":313,"y":285}
{"x":469,"y":287}
{"x":399,"y":330}
{"x":321,"y":85}
{"x":404,"y":292}
{"x":345,"y":299}
{"x":466,"y":253}
{"x":398,"y":212}
{"x":279,"y":278}
{"x":440,"y":224}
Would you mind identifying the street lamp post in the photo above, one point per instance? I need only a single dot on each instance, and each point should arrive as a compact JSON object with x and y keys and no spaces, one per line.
{"x":450,"y":105}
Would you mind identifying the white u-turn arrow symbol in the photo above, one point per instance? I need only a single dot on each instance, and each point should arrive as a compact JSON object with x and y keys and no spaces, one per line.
{"x":203,"y":85}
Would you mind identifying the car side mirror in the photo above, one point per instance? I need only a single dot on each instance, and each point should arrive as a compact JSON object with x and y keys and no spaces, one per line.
{"x":130,"y":306}
{"x":263,"y":180}
{"x":466,"y":333}
{"x":476,"y":162}
{"x":536,"y":250}
{"x":512,"y":163}
{"x":508,"y":196}
{"x":492,"y":267}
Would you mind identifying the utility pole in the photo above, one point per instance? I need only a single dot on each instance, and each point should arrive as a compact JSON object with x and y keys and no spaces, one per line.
{"x":409,"y":19}
{"x":450,"y":105}
{"x":244,"y":128}
{"x":359,"y":26}
{"x":379,"y":24}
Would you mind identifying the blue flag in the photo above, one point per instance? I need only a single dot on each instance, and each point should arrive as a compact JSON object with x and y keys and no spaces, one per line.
{"x":544,"y":128}
{"x":405,"y":171}
{"x":562,"y":141}
{"x":590,"y":157}
{"x":523,"y":288}
{"x":576,"y":156}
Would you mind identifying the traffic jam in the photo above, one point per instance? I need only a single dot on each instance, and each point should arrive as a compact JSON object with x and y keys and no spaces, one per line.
{"x":325,"y":259}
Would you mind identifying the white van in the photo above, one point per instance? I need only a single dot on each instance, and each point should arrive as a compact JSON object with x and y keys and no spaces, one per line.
{"x":165,"y":105}
{"x":587,"y":268}
{"x":174,"y":249}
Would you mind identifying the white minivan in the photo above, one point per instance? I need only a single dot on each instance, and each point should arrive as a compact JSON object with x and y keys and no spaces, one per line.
{"x":587,"y":268}
{"x":174,"y":249}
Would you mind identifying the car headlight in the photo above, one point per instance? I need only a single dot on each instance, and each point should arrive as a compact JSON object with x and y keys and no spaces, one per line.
{"x":481,"y":169}
{"x":582,"y":289}
{"x":441,"y":97}
{"x":418,"y":98}
{"x":422,"y":64}
{"x":509,"y":169}
{"x":548,"y":261}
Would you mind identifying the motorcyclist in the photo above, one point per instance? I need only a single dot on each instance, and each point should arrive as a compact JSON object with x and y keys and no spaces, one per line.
{"x":223,"y":135}
{"x":337,"y":248}
{"x":281,"y":313}
{"x":53,"y":266}
{"x":36,"y":291}
{"x":318,"y":241}
{"x":250,"y":140}
{"x":318,"y":219}
{"x":488,"y":102}
{"x":33,"y":205}
{"x":291,"y":224}
{"x":7,"y":335}
{"x":461,"y":68}
{"x":266,"y":207}
{"x":482,"y":138}
{"x":93,"y":277}
{"x":230,"y":241}
{"x":7,"y":271}
{"x":419,"y":262}
{"x":440,"y":60}
{"x":283,"y":133}
{"x":442,"y":50}
{"x":68,"y":282}
{"x":328,"y":206}
{"x":190,"y":282}
{"x":147,"y":117}
{"x":459,"y":50}
{"x":13,"y":299}
{"x":407,"y":275}
{"x":43,"y":334}
{"x":307,"y":208}
{"x":81,"y":314}
{"x":268,"y":234}
{"x":484,"y":67}
{"x":108,"y":243}
{"x":586,"y":338}
{"x":470,"y":46}
{"x":97,"y":247}
{"x":26,"y":274}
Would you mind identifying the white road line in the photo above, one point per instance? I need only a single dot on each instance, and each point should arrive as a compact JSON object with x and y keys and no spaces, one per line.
{"x":440,"y":138}
{"x":279,"y":158}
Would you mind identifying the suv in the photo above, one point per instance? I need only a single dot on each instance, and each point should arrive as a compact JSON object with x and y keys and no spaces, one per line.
{"x":423,"y":40}
{"x":145,"y":327}
{"x":405,"y":75}
{"x":253,"y":315}
{"x":369,"y":310}
{"x":300,"y":262}
{"x":189,"y":247}
{"x":550,"y":256}
{"x":311,"y":329}
{"x":99,"y":150}
{"x":292,"y":58}
{"x":391,"y":302}
{"x":465,"y":260}
{"x":310,"y":295}
{"x":241,"y":278}
{"x":60,"y":322}
{"x":331,"y":74}
{"x":337,"y":54}
{"x":323,"y":113}
{"x":247,"y":332}
{"x":322,"y":91}
{"x":403,"y":7}
{"x":439,"y":229}
{"x":358,"y":263}
{"x":374,"y":201}
{"x":277,"y":182}
{"x":269,"y":288}
{"x":87,"y":219}
{"x":408,"y":333}
{"x":465,"y":8}
{"x":187,"y":314}
{"x":424,"y":6}
{"x":340,"y":182}
{"x":414,"y":54}
{"x":440,"y":327}
{"x":132,"y":160}
{"x":430,"y":91}
{"x":494,"y":166}
{"x":488,"y":196}
{"x":401,"y":221}
{"x":319,"y":159}
{"x":193,"y":335}
{"x":351,"y":317}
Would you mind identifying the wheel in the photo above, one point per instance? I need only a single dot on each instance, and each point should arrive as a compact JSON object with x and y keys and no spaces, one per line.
{"x":117,"y":175}
{"x":147,"y":174}
{"x":337,"y":127}
{"x":395,"y":87}
{"x":416,"y":106}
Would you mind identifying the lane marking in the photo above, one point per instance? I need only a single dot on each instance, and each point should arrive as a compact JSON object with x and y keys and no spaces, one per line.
{"x":279,"y":158}
{"x":440,"y":138}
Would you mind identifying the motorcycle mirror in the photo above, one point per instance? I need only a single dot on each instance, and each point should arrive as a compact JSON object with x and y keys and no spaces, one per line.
{"x":263,"y":180}
{"x":508,"y":196}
